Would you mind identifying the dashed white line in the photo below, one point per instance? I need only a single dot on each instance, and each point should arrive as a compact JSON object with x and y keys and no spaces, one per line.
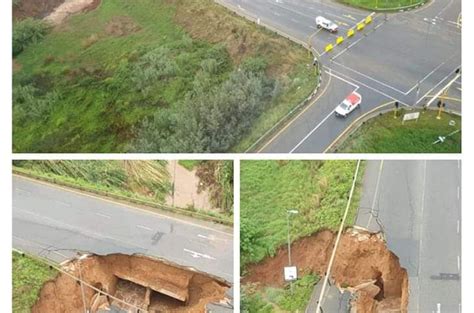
{"x":144,"y":227}
{"x":195,"y":254}
{"x":458,"y":227}
{"x":103,"y":215}
{"x":459,"y":263}
{"x":459,"y":189}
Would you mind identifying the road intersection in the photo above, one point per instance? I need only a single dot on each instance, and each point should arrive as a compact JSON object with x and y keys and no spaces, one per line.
{"x":404,"y":56}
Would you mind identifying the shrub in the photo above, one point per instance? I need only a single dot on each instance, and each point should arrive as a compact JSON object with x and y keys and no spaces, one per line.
{"x":27,"y":32}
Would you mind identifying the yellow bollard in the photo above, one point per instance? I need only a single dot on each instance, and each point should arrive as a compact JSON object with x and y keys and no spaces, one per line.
{"x":439,"y":113}
{"x":339,"y":40}
{"x":329,"y":47}
{"x":350,"y":32}
{"x":360,"y":26}
{"x":368,"y":19}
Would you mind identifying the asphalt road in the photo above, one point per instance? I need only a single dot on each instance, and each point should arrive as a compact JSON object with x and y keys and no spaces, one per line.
{"x":403,"y":57}
{"x":55,"y":223}
{"x":418,"y":206}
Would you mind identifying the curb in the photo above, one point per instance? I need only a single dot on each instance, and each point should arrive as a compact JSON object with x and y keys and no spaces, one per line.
{"x":259,"y":142}
{"x":153,"y":205}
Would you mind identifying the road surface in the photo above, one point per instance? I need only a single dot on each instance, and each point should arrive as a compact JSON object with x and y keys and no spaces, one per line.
{"x":55,"y":223}
{"x":418,"y":206}
{"x":398,"y":57}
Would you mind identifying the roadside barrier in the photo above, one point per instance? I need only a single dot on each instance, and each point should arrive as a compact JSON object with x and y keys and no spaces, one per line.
{"x":339,"y":40}
{"x":329,"y":47}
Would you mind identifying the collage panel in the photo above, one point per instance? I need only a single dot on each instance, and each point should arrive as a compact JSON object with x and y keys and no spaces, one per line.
{"x":350,"y":236}
{"x":122,"y":236}
{"x":237,"y":76}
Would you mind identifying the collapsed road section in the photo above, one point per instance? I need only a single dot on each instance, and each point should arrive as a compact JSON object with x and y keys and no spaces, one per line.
{"x":129,"y":283}
{"x":363,"y":265}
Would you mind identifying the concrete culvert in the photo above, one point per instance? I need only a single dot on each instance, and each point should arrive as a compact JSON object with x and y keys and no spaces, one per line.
{"x":363,"y":265}
{"x":129,"y":283}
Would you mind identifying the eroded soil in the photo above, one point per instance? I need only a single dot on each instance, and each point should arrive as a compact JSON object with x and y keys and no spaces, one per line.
{"x":363,"y":265}
{"x":145,"y":283}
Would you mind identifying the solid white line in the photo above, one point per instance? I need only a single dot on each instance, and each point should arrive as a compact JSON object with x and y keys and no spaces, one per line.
{"x":368,"y":87}
{"x":441,"y":91}
{"x":311,"y":132}
{"x":368,"y":77}
{"x":144,"y":227}
{"x":375,"y":193}
{"x":103,"y":215}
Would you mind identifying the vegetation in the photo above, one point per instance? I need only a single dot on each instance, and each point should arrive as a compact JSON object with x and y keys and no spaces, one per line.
{"x":26,"y":32}
{"x":139,"y":179}
{"x":287,"y":300}
{"x":382,"y":4}
{"x":317,"y":189}
{"x":29,"y":275}
{"x":384,"y":134}
{"x":218,"y":178}
{"x":154,"y":76}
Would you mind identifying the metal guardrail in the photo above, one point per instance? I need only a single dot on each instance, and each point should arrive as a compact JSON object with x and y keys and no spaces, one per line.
{"x":23,"y":172}
{"x":279,"y":124}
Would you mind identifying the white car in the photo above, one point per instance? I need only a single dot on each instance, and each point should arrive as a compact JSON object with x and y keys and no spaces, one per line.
{"x":323,"y":22}
{"x":349,"y":104}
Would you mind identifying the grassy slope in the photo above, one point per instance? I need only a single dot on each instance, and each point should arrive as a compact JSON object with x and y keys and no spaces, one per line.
{"x":318,"y":190}
{"x":148,"y":180}
{"x":29,"y":275}
{"x":269,"y":188}
{"x":387,"y":135}
{"x":94,"y":117}
{"x":381,"y":4}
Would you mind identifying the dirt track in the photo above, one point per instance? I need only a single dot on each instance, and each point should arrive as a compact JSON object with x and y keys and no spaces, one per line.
{"x":149,"y":284}
{"x":363,"y":264}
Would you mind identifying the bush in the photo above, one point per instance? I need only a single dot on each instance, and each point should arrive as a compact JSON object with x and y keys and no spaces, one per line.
{"x":28,"y":104}
{"x":27,"y":32}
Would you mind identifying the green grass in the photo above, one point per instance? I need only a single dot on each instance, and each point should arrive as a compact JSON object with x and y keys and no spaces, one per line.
{"x":317,"y":189}
{"x":382,"y":4}
{"x":189,"y":164}
{"x":97,"y":107}
{"x":146,"y":180}
{"x":279,"y":299}
{"x":384,"y":134}
{"x":29,"y":275}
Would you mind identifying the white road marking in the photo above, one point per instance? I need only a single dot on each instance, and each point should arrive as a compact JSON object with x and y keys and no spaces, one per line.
{"x":211,"y":238}
{"x":62,"y":203}
{"x":368,"y":87}
{"x":195,"y":254}
{"x":458,"y":192}
{"x":103,"y":215}
{"x":22,"y":190}
{"x":459,"y":263}
{"x":144,"y":227}
{"x":438,"y":308}
{"x":368,"y":77}
{"x":430,"y":91}
{"x":375,"y":193}
{"x":123,"y":205}
{"x":458,"y":226}
{"x":311,"y":132}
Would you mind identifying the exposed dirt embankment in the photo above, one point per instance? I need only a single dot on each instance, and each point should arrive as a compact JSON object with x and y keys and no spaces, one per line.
{"x":34,"y":8}
{"x":70,"y":7}
{"x":363,"y":264}
{"x":146,"y":283}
